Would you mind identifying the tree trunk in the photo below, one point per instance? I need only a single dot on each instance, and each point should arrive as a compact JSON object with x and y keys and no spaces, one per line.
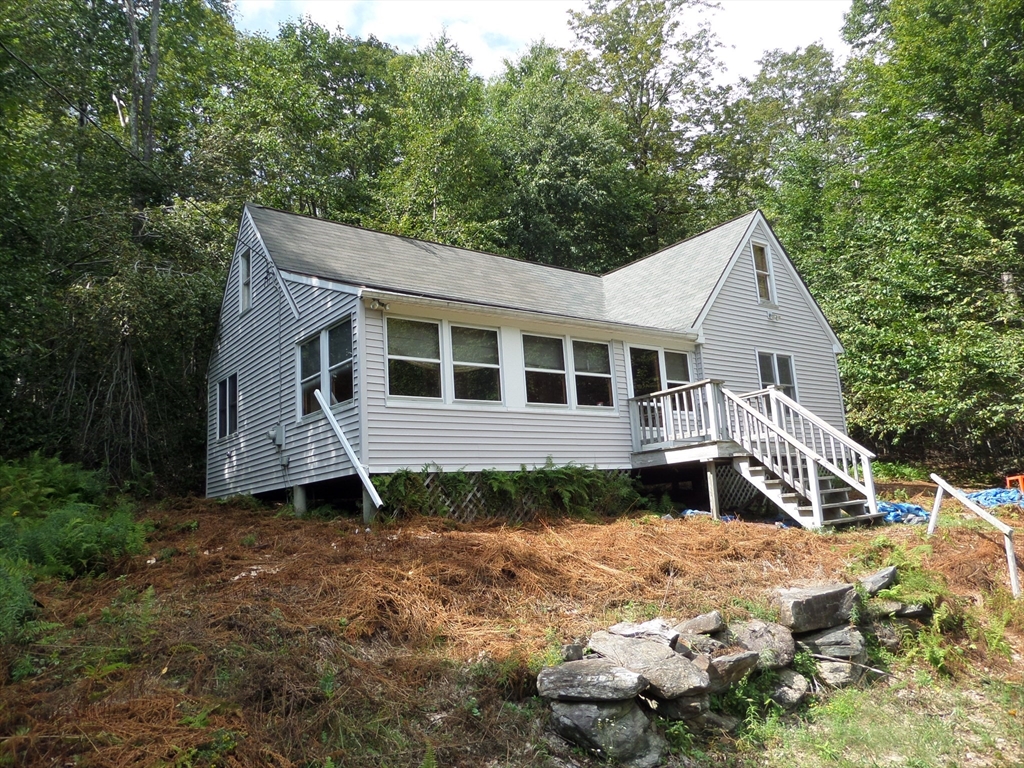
{"x":147,"y":95}
{"x":133,"y":107}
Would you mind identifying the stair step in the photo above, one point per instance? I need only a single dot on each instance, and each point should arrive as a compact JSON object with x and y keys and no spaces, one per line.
{"x":837,"y":504}
{"x":855,"y":518}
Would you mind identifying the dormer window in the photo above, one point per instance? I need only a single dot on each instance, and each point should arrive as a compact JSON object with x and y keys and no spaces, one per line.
{"x":245,"y":280}
{"x":763,"y":273}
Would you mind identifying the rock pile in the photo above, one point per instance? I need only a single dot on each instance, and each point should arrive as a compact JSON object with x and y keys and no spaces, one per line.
{"x":601,"y":700}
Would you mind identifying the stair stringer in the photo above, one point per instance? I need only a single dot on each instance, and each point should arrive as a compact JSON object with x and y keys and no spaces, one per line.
{"x":773,"y":489}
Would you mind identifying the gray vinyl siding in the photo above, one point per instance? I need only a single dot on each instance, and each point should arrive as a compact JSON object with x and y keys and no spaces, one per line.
{"x":407,"y":435}
{"x":737,"y":327}
{"x":259,"y":346}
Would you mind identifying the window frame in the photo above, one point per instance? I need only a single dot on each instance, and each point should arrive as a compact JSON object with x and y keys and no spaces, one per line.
{"x":227,"y":406}
{"x":440,"y":360}
{"x":245,"y":281}
{"x":775,"y":371}
{"x":448,"y":347}
{"x":610,"y":376}
{"x":569,"y":389}
{"x":662,"y":366}
{"x":769,"y":273}
{"x":322,"y":338}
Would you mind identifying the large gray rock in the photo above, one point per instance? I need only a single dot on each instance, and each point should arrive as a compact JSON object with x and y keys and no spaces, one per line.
{"x":723,"y":671}
{"x":674,"y":677}
{"x":682,"y":708}
{"x":790,"y":688}
{"x":704,"y":624}
{"x":657,"y":630}
{"x":838,"y":643}
{"x":806,"y":609}
{"x":615,"y":730}
{"x":879,"y":580}
{"x":590,"y":680}
{"x":773,"y":642}
{"x":700,"y":644}
{"x":629,"y":651}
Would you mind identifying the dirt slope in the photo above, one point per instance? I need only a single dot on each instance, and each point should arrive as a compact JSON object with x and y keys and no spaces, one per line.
{"x":243,"y":638}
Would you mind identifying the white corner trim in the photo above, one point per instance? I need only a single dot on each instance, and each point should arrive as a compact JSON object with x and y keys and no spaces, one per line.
{"x":319,"y":282}
{"x":277,"y":272}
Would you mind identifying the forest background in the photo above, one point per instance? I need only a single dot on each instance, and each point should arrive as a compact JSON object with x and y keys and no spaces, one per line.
{"x":132,"y":131}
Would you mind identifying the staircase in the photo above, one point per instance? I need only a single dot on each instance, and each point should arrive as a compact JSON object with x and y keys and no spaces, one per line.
{"x":805,"y":466}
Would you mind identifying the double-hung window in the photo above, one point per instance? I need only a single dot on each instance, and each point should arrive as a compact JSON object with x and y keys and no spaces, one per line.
{"x":652,"y":370}
{"x":592,"y":365}
{"x":763,"y":273}
{"x":777,"y":370}
{"x":325,"y":363}
{"x":677,"y":369}
{"x":227,"y":406}
{"x":245,"y":280}
{"x":476,"y":372}
{"x":544,"y":357}
{"x":414,"y":358}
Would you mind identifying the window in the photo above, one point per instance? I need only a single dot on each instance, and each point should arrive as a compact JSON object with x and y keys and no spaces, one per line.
{"x":545,"y":369}
{"x":227,"y":406}
{"x":593,"y":368}
{"x":777,"y":370}
{"x":245,"y":280}
{"x":325,"y":363}
{"x":645,"y":370}
{"x":476,"y":372}
{"x":763,"y":273}
{"x":414,"y":358}
{"x":677,"y":369}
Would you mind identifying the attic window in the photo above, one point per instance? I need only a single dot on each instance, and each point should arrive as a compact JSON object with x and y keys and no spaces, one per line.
{"x":245,"y":280}
{"x":763,"y":273}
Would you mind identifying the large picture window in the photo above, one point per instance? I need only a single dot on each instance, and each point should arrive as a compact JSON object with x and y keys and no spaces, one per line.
{"x":545,"y":369}
{"x":777,"y":370}
{"x":227,"y":406}
{"x":592,"y":365}
{"x":414,"y":358}
{"x":476,"y":370}
{"x":325,"y":363}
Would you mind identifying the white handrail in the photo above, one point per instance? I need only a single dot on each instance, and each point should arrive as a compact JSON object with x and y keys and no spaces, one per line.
{"x":360,"y":469}
{"x":999,"y":525}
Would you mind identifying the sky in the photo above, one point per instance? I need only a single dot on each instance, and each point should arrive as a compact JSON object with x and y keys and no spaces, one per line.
{"x":490,"y":31}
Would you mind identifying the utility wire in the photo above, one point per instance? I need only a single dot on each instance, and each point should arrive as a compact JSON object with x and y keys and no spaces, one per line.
{"x":117,"y":142}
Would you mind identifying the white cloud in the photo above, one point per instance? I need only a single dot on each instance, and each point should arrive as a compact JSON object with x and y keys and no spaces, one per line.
{"x":494,"y":30}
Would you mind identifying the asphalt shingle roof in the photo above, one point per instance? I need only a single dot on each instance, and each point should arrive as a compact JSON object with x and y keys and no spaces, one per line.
{"x":666,"y":290}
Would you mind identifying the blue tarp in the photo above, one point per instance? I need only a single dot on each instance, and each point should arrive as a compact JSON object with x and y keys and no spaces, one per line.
{"x":996,"y":497}
{"x":899,"y":512}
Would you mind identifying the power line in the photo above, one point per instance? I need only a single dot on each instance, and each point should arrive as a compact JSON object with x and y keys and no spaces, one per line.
{"x":117,"y":142}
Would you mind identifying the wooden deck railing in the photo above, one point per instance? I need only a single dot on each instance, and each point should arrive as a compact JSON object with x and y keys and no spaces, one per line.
{"x":690,"y":413}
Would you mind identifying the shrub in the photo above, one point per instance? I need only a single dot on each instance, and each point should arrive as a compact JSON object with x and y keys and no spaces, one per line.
{"x":16,"y":603}
{"x":31,"y":486}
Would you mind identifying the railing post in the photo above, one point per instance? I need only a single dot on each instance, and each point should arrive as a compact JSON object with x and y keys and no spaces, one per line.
{"x":933,"y":519}
{"x":713,"y":397}
{"x":634,"y":425}
{"x":814,"y":488}
{"x":868,"y":478}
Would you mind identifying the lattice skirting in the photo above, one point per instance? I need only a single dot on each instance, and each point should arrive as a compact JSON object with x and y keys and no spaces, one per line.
{"x":734,"y":492}
{"x":469,"y":498}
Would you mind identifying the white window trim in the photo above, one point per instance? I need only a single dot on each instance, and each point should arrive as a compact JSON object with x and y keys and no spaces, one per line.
{"x":775,"y":370}
{"x":245,"y":281}
{"x":448,"y":371}
{"x":772,"y":299}
{"x":439,"y":360}
{"x":221,"y":427}
{"x":570,"y":389}
{"x":662,"y":368}
{"x":325,"y":368}
{"x":611,"y":376}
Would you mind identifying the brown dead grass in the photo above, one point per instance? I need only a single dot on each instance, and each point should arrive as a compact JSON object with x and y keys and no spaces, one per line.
{"x":251,"y":613}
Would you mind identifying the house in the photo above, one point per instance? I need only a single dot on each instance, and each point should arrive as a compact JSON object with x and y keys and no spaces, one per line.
{"x":711,"y":351}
